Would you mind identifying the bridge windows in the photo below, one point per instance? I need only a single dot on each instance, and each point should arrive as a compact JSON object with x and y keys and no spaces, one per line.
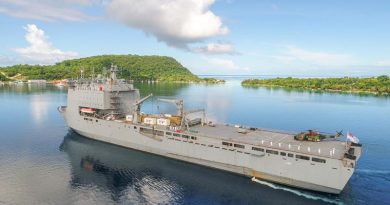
{"x":176,"y":135}
{"x":290,"y":155}
{"x":283,"y":153}
{"x":88,"y":119}
{"x":146,"y":130}
{"x":158,"y":133}
{"x":239,"y":146}
{"x":227,"y":143}
{"x":318,"y":160}
{"x":271,"y":151}
{"x":302,"y":157}
{"x":258,"y":149}
{"x":151,"y":131}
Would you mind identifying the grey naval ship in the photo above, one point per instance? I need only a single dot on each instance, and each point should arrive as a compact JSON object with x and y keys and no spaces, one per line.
{"x":108,"y":109}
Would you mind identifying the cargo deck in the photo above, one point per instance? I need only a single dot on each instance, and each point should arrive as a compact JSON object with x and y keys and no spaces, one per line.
{"x":274,"y":139}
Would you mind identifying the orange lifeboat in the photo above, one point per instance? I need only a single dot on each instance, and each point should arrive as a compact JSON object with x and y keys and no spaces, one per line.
{"x":88,"y":110}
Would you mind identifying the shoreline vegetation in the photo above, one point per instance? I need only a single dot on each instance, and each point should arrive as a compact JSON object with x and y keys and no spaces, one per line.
{"x":372,"y":85}
{"x":132,"y":67}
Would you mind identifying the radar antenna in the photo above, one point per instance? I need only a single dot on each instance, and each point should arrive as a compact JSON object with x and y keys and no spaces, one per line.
{"x":82,"y":73}
{"x":93,"y":73}
{"x":114,"y":71}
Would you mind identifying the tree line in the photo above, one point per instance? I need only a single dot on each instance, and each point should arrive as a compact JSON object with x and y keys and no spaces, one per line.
{"x":134,"y":67}
{"x":3,"y":78}
{"x":376,"y":85}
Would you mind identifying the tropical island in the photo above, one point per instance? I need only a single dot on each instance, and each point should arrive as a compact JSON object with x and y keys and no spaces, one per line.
{"x":132,"y":67}
{"x":371,"y":85}
{"x":3,"y":78}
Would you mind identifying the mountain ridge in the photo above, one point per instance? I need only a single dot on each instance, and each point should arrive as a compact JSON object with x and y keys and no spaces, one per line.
{"x":134,"y":67}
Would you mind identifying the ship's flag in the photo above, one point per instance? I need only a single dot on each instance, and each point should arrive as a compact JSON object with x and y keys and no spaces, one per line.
{"x":352,"y":138}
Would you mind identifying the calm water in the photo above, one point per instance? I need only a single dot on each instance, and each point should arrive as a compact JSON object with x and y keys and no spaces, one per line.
{"x":43,"y":162}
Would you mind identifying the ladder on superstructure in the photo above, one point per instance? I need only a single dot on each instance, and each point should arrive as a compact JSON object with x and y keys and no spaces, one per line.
{"x":115,"y":102}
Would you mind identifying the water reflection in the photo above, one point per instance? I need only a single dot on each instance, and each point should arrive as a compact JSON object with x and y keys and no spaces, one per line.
{"x":301,"y":90}
{"x":126,"y":175}
{"x":39,"y":108}
{"x":30,"y":88}
{"x":134,"y":177}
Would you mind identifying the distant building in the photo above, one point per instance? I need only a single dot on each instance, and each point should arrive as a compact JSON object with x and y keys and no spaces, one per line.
{"x":36,"y":81}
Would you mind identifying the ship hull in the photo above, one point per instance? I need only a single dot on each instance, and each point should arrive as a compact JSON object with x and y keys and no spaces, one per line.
{"x":212,"y":164}
{"x":330,"y":177}
{"x":105,"y":109}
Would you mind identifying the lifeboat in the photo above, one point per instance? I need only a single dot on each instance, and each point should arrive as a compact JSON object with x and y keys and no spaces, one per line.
{"x":60,"y":84}
{"x":88,"y":110}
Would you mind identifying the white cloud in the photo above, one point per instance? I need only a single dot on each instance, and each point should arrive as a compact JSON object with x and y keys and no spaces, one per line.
{"x":226,"y":64}
{"x":175,"y":22}
{"x":46,"y":10}
{"x":223,"y":63}
{"x":294,"y":53}
{"x":40,"y":49}
{"x":385,"y":63}
{"x":178,"y":23}
{"x":216,"y":48}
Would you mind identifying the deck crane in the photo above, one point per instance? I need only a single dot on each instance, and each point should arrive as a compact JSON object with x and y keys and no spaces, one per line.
{"x":137,"y":106}
{"x":178,"y":102}
{"x":180,"y":111}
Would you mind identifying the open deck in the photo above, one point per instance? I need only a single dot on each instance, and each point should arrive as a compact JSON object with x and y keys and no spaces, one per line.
{"x":274,"y":139}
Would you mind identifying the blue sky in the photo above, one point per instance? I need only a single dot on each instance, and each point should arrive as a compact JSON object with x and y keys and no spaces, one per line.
{"x":285,"y":37}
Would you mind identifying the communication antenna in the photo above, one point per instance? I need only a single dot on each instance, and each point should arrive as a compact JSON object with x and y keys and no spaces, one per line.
{"x":93,"y":72}
{"x":105,"y":72}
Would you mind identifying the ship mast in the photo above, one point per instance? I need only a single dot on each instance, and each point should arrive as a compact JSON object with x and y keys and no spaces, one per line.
{"x":113,"y":72}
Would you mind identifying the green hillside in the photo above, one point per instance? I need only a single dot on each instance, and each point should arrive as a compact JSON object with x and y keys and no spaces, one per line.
{"x":133,"y":67}
{"x":3,"y":78}
{"x":374,"y":85}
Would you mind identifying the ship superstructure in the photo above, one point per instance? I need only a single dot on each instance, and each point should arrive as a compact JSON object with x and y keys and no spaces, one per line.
{"x":108,"y":109}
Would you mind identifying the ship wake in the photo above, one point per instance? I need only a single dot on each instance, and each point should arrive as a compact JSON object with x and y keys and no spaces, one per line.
{"x":374,"y":172}
{"x":297,"y":192}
